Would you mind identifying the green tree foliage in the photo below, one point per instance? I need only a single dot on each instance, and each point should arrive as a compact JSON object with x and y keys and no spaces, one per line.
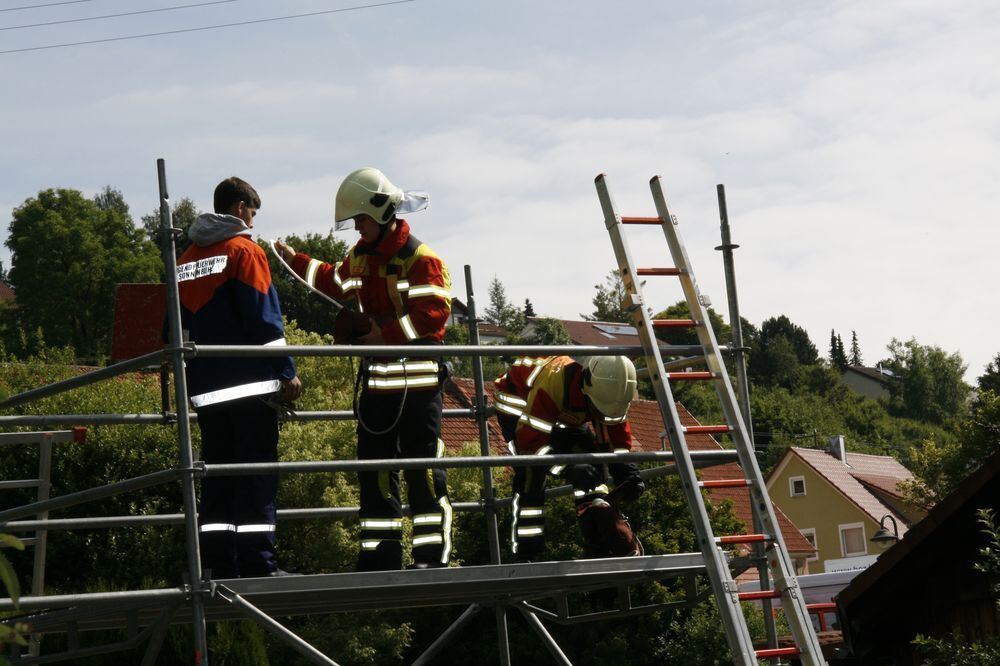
{"x":855,"y":358}
{"x":501,"y":312}
{"x":608,"y":300}
{"x":183,"y":215}
{"x":529,"y":309}
{"x":69,"y":253}
{"x":548,"y":331}
{"x":990,"y":379}
{"x":309,"y":310}
{"x":688,"y":336}
{"x":838,"y":357}
{"x":929,"y":384}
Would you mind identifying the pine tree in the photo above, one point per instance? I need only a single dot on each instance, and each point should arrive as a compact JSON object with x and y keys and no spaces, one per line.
{"x":838,"y":358}
{"x":529,"y":309}
{"x":855,"y":349}
{"x":501,"y":312}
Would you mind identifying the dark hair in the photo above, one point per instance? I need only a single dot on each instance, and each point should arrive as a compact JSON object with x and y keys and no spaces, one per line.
{"x":233,"y":190}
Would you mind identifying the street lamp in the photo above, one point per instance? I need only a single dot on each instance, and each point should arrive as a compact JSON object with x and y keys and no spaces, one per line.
{"x":882,"y":535}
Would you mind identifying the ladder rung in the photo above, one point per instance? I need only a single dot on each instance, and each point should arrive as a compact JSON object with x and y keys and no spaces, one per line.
{"x":692,"y":376}
{"x":741,"y":538}
{"x":774,"y":653}
{"x":641,"y":220}
{"x":763,"y":594}
{"x":707,"y":430}
{"x":657,"y":271}
{"x":725,"y":483}
{"x":674,"y":323}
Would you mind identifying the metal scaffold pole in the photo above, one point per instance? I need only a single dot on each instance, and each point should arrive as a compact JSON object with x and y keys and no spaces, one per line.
{"x":186,"y":458}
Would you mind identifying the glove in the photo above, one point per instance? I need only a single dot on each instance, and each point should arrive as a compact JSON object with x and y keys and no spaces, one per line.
{"x":350,"y":325}
{"x":629,"y":490}
{"x":583,"y":477}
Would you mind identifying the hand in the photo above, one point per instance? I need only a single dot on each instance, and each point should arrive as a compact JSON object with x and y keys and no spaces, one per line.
{"x":291,"y":389}
{"x":372,"y":337}
{"x":286,"y":251}
{"x":583,"y":477}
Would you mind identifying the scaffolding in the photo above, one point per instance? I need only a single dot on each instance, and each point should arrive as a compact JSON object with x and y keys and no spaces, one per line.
{"x":147,"y":614}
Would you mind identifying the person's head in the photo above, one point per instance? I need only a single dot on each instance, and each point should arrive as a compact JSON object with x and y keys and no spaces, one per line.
{"x":235,"y":196}
{"x":609,"y":383}
{"x":369,"y":201}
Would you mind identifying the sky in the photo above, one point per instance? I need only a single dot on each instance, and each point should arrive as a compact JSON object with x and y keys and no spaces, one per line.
{"x":857,"y":141}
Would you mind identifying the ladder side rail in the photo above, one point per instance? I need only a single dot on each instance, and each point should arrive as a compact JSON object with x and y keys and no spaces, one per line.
{"x":777,"y":552}
{"x":737,"y":632}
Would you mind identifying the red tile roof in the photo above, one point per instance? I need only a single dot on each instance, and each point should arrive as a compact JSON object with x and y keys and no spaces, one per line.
{"x":846,"y":477}
{"x":591,"y":333}
{"x":455,"y":432}
{"x":6,"y":293}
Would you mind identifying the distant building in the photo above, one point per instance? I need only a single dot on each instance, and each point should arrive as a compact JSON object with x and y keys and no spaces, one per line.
{"x":870,"y":382}
{"x":603,"y":333}
{"x":838,"y":499}
{"x":6,"y":293}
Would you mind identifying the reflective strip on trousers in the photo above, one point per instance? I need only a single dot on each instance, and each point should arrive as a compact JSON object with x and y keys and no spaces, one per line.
{"x":218,"y":527}
{"x":235,"y":392}
{"x":263,"y":527}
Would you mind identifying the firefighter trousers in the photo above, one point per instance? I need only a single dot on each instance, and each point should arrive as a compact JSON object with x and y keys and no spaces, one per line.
{"x":236,"y":516}
{"x":416,"y":434}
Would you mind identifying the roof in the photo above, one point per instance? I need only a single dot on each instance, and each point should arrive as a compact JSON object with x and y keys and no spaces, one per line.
{"x":603,"y":333}
{"x":458,"y":393}
{"x":871,"y":373}
{"x":647,"y":425}
{"x":491,"y":330}
{"x":856,"y":479}
{"x":6,"y":293}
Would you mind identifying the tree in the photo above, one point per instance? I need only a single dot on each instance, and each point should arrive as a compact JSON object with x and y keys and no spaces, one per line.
{"x":855,"y":350}
{"x":990,"y":379}
{"x":805,"y":350}
{"x":548,"y":331}
{"x":929,"y":382}
{"x":529,"y":309}
{"x":501,"y":312}
{"x":608,"y":300}
{"x":183,"y":215}
{"x":3,"y":272}
{"x":688,"y":336}
{"x":69,"y":253}
{"x":299,"y":304}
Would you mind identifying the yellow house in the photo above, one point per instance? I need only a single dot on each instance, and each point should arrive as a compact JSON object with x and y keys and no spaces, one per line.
{"x":837,"y":499}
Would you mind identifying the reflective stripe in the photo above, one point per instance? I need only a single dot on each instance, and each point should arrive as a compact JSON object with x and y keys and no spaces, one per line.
{"x":351,"y":284}
{"x":263,"y":527}
{"x":531,"y":513}
{"x":615,"y":421}
{"x":369,"y":545}
{"x":405,"y":366}
{"x":407,"y":326}
{"x":218,"y":527}
{"x":446,"y":529}
{"x":424,"y":540}
{"x":280,"y":342}
{"x":507,"y":409}
{"x":543,"y":450}
{"x":311,"y":272}
{"x":511,"y":399}
{"x":537,"y":424}
{"x":196,"y":269}
{"x":530,"y":531}
{"x":410,"y":382}
{"x":555,"y":470}
{"x":336,"y":274}
{"x":534,"y":374}
{"x":621,"y":451}
{"x":403,"y":285}
{"x":234,"y":392}
{"x":381,"y":523}
{"x":439,"y":451}
{"x":427,"y":519}
{"x":596,"y":490}
{"x":429,"y":290}
{"x":510,"y":447}
{"x":579,"y":493}
{"x":515,"y":501}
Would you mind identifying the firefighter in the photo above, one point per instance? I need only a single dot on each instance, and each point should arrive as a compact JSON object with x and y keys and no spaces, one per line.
{"x":402,"y":291}
{"x":227,"y":299}
{"x":543,"y":406}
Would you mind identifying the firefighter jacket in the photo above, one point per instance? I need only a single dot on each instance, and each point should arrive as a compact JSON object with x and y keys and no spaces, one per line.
{"x":548,"y":392}
{"x":404,"y":287}
{"x":227,"y":299}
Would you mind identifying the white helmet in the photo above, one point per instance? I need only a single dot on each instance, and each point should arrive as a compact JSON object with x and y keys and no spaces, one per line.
{"x":611,"y":385}
{"x":367,"y":191}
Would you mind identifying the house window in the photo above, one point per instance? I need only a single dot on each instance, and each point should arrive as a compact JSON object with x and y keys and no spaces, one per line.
{"x":852,"y":540}
{"x":797,"y":486}
{"x":810,"y":534}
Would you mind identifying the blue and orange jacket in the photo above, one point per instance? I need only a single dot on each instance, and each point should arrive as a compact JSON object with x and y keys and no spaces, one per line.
{"x":404,"y":287}
{"x":227,"y":299}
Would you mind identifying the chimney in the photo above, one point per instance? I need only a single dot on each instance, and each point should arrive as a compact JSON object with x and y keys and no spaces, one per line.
{"x":836,"y":448}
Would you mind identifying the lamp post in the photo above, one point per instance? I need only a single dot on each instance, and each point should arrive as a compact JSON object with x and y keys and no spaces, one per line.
{"x":883,"y":536}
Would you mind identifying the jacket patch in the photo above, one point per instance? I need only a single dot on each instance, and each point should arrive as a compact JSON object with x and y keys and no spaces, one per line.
{"x":196,"y":269}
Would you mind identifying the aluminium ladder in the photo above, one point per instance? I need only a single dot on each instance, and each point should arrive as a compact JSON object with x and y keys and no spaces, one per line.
{"x":727,"y":596}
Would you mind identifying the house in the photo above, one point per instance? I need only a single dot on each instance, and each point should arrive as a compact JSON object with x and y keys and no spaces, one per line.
{"x":838,"y":499}
{"x":648,"y":432}
{"x":925,"y":583}
{"x":599,"y":333}
{"x":6,"y":293}
{"x":489,"y":334}
{"x":870,"y":382}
